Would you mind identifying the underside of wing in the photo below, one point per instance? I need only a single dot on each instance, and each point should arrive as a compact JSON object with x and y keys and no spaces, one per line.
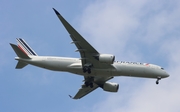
{"x":89,"y":55}
{"x":94,"y":82}
{"x":84,"y":91}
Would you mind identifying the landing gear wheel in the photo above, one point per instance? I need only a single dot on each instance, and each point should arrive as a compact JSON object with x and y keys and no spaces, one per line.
{"x":87,"y":84}
{"x":91,"y":85}
{"x":87,"y":68}
{"x":89,"y":71}
{"x":159,"y":78}
{"x":157,"y":82}
{"x":84,"y":70}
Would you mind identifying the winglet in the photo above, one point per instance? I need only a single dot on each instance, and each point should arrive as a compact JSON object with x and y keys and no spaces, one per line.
{"x":71,"y":97}
{"x":68,"y":27}
{"x":57,"y":13}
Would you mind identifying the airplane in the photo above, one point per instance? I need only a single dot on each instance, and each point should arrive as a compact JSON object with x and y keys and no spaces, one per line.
{"x":96,"y":68}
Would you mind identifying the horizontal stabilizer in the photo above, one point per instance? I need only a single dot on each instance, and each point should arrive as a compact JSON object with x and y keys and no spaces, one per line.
{"x":20,"y":65}
{"x":19,"y":52}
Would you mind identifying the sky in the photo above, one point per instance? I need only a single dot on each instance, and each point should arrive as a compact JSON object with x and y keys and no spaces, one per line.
{"x":132,"y":30}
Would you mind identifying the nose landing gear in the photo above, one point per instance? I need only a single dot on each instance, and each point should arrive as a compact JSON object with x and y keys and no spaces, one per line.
{"x":159,"y":78}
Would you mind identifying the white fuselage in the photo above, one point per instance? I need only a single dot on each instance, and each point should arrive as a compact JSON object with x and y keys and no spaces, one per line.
{"x":73,"y":65}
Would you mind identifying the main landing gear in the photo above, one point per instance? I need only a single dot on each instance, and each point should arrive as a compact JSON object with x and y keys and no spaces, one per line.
{"x":89,"y":82}
{"x":87,"y":68}
{"x":159,"y":78}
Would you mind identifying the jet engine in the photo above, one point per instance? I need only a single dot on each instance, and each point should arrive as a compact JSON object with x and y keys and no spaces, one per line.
{"x":110,"y":87}
{"x":106,"y":58}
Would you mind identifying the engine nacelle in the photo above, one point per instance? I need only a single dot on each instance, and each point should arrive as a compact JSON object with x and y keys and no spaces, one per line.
{"x":106,"y":58}
{"x":110,"y":87}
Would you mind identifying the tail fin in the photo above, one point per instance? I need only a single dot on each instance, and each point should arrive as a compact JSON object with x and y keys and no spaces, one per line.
{"x":25,"y":47}
{"x":20,"y":53}
{"x":23,"y":50}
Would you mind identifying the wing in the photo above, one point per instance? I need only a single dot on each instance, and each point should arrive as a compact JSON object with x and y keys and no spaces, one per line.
{"x":83,"y":91}
{"x":87,"y":52}
{"x":88,"y":55}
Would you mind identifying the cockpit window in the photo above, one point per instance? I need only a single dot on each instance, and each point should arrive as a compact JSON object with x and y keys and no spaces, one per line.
{"x":162,"y":68}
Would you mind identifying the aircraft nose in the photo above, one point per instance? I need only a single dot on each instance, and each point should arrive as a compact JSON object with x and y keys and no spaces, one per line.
{"x":166,"y":75}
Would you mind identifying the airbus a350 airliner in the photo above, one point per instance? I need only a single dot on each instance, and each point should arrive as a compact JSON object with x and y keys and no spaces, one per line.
{"x":96,"y":68}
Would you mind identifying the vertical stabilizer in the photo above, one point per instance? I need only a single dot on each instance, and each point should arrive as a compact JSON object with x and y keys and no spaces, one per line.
{"x":25,"y":47}
{"x":20,"y":53}
{"x":23,"y":51}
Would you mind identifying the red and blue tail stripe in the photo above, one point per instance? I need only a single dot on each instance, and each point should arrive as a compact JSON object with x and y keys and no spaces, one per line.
{"x":25,"y":47}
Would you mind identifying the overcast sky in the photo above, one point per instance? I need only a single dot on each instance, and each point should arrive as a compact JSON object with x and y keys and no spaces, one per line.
{"x":132,"y":30}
